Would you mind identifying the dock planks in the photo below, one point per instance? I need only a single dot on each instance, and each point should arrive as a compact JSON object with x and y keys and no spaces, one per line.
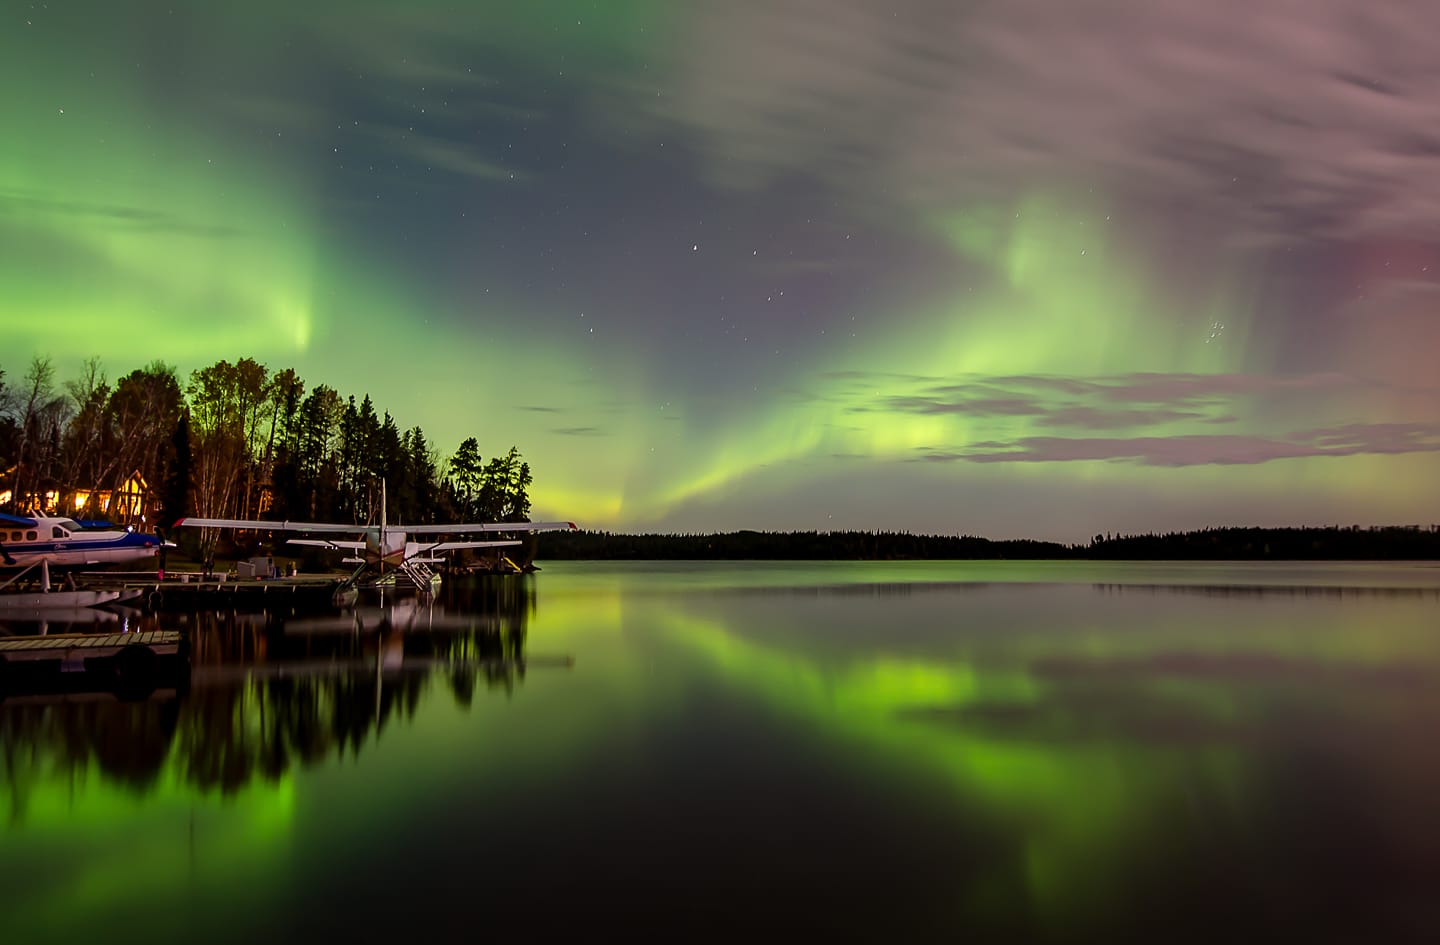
{"x":58,"y":645}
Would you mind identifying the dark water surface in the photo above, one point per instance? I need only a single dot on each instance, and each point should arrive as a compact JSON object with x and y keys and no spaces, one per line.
{"x":910,"y":751}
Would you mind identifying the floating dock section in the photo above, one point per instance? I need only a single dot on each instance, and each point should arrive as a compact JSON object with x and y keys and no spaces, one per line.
{"x":127,"y":663}
{"x":190,"y":592}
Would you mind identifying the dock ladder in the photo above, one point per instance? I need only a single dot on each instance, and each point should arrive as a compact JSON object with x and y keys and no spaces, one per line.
{"x":419,"y":574}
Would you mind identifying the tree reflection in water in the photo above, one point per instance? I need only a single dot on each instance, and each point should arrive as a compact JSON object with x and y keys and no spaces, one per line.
{"x":268,"y":694}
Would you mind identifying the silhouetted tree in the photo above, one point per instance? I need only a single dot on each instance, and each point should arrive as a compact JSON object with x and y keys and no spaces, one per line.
{"x":175,"y":500}
{"x":9,"y":430}
{"x":40,"y":414}
{"x":467,"y":474}
{"x":140,"y":418}
{"x":88,"y":438}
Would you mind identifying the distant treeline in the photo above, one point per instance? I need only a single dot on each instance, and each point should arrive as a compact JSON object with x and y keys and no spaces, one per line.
{"x":1352,"y":543}
{"x":787,"y":546}
{"x":1212,"y":544}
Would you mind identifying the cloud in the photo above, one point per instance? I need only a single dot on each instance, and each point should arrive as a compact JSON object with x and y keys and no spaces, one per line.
{"x":16,"y":203}
{"x":443,"y":138}
{"x":1050,"y":415}
{"x":1095,"y":419}
{"x":446,"y":150}
{"x":1202,"y":449}
{"x":1212,"y":388}
{"x":1098,"y":403}
{"x":977,"y":406}
{"x":1279,"y":120}
{"x":1007,"y":409}
{"x":445,"y":155}
{"x":578,"y":431}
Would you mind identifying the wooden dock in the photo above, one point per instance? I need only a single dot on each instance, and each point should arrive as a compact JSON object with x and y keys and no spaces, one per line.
{"x":192,"y":591}
{"x":258,"y":593}
{"x":129,"y":664}
{"x":68,"y":646}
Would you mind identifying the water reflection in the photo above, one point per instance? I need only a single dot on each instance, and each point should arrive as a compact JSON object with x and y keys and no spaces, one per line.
{"x":1270,"y":590}
{"x":267,"y":694}
{"x":67,"y":620}
{"x":1136,"y":743}
{"x":899,"y":756}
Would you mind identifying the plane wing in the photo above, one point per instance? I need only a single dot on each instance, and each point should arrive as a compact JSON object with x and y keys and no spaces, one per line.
{"x":327,"y":543}
{"x":486,"y":527}
{"x":287,"y":526}
{"x":258,"y":525}
{"x":458,"y":545}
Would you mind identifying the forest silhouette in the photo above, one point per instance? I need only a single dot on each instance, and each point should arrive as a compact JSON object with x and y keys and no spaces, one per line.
{"x":235,"y":441}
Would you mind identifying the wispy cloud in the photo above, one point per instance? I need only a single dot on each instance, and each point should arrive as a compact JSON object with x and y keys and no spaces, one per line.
{"x":1212,"y":388}
{"x":444,"y":139}
{"x":453,"y":157}
{"x":1113,"y":402}
{"x":1092,"y":418}
{"x":17,"y":203}
{"x":1285,"y":120}
{"x":1201,"y":449}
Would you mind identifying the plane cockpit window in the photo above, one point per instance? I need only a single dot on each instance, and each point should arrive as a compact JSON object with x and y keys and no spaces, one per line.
{"x":58,"y":532}
{"x":70,"y":524}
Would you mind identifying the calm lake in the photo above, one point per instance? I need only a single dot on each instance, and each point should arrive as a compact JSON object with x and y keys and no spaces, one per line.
{"x":917,"y":751}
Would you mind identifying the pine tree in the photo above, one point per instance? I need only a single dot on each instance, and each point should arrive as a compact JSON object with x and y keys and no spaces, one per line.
{"x":176,"y":496}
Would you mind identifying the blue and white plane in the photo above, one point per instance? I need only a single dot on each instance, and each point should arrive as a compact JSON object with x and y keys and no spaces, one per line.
{"x":64,"y":542}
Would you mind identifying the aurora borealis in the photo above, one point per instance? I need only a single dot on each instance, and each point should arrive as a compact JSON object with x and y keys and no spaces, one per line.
{"x":1020,"y":269}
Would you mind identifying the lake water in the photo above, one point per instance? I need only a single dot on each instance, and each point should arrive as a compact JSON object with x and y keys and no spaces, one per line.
{"x":1002,"y":751}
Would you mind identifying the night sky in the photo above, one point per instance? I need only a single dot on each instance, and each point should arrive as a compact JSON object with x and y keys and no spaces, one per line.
{"x":1031,"y":268}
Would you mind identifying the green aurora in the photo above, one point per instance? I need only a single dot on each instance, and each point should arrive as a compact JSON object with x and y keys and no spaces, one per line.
{"x":495,"y":224}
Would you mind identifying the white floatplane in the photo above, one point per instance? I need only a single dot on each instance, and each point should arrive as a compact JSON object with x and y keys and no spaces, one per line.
{"x":386,"y":546}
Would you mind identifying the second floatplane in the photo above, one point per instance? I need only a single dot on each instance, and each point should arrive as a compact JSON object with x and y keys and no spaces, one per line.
{"x":384,"y":550}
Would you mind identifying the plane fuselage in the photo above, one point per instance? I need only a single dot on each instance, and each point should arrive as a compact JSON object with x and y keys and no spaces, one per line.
{"x":63,"y":542}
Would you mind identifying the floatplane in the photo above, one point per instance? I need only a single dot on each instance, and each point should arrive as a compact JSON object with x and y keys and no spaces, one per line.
{"x":64,"y":542}
{"x":387,"y":546}
{"x":32,"y":544}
